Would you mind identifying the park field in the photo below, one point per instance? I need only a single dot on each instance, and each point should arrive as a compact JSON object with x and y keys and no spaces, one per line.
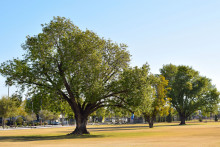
{"x":162,"y":135}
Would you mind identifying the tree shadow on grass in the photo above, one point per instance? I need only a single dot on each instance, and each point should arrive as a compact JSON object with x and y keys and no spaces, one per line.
{"x":42,"y":138}
{"x":119,"y":128}
{"x":123,"y":128}
{"x":167,"y":125}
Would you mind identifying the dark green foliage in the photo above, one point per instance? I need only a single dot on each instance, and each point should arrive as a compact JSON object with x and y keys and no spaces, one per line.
{"x":169,"y":117}
{"x":200,"y":118}
{"x":8,"y":108}
{"x":189,"y":91}
{"x":216,"y":118}
{"x":19,"y":121}
{"x":77,"y":66}
{"x":17,"y":99}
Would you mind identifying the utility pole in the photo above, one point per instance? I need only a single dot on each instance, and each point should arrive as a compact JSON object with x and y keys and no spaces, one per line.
{"x":8,"y":91}
{"x":32,"y":115}
{"x":41,"y":109}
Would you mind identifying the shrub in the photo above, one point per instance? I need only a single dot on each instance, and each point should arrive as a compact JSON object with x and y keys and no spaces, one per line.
{"x":6,"y":121}
{"x":37,"y":124}
{"x":25,"y":124}
{"x":19,"y":120}
{"x":200,"y":118}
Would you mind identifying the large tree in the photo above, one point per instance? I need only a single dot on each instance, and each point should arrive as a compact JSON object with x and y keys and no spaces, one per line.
{"x":189,"y":91}
{"x":78,"y":66}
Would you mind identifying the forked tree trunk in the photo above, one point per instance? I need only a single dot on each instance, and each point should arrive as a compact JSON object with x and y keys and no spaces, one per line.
{"x":81,"y":123}
{"x":182,"y":120}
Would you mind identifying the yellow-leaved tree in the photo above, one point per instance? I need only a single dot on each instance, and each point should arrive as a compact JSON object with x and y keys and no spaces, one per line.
{"x":157,"y":102}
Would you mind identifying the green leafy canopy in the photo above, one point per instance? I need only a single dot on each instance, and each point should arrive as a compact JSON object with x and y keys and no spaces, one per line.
{"x":189,"y":91}
{"x":78,"y":66}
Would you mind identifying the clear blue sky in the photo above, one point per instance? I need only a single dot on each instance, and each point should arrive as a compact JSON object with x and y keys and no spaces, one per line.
{"x":185,"y":32}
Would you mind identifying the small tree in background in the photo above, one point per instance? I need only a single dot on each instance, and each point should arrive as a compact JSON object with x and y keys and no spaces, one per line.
{"x":19,"y":121}
{"x":54,"y":116}
{"x":99,"y":113}
{"x":30,"y":118}
{"x":19,"y":111}
{"x":45,"y":115}
{"x":156,"y":103}
{"x":116,"y":112}
{"x":7,"y":109}
{"x":211,"y":107}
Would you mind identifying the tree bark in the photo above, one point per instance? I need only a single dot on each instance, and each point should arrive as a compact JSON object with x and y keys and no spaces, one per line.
{"x":3,"y":122}
{"x":151,"y":124}
{"x":62,"y":120}
{"x":14,"y":121}
{"x":81,"y":122}
{"x":150,"y":121}
{"x":182,"y":120}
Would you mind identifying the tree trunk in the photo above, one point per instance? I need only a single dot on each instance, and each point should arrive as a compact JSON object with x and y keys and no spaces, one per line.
{"x":14,"y":121}
{"x":151,"y":124}
{"x":150,"y":121}
{"x":182,"y":120}
{"x":216,"y":118}
{"x":62,"y":120}
{"x":81,"y":123}
{"x":3,"y":122}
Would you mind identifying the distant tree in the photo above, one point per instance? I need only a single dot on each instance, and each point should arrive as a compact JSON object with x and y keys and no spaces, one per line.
{"x":19,"y":121}
{"x":157,"y":102}
{"x":41,"y":100}
{"x":7,"y":109}
{"x":189,"y":91}
{"x":212,"y":106}
{"x":169,"y":117}
{"x":217,"y":112}
{"x":54,"y":116}
{"x":99,"y":113}
{"x":19,"y":111}
{"x":30,"y":118}
{"x":46,"y":115}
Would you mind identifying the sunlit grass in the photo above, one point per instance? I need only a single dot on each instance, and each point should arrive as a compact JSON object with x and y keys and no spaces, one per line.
{"x":165,"y":134}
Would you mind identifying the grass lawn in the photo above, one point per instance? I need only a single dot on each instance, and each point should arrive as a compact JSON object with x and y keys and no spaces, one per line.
{"x":163,"y":134}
